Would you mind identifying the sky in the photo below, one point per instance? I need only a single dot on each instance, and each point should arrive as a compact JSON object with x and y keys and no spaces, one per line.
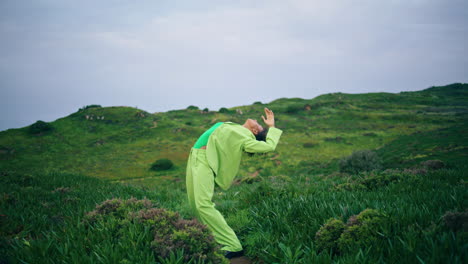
{"x":57,"y":56}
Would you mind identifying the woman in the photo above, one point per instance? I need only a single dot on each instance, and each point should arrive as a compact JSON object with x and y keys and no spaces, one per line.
{"x":215,"y":158}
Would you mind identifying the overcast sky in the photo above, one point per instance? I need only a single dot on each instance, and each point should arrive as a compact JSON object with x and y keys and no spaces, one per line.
{"x":158,"y":55}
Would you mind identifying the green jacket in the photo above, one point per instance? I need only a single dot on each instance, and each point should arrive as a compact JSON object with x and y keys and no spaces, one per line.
{"x":225,"y":147}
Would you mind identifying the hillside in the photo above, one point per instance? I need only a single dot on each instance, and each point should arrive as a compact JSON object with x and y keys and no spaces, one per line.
{"x":295,"y":205}
{"x":122,"y":142}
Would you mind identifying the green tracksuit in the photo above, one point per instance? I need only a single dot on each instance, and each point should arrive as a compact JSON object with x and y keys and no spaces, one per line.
{"x":219,"y":163}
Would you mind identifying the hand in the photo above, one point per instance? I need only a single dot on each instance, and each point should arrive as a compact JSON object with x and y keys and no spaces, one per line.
{"x":270,"y":118}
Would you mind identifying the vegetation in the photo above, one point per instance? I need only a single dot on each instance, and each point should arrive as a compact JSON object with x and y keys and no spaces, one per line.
{"x":83,"y":193}
{"x":224,"y":110}
{"x":40,"y":127}
{"x":162,"y":164}
{"x":360,"y":161}
{"x":192,"y":107}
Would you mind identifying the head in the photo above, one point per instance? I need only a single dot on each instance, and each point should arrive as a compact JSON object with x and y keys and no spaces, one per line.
{"x":259,"y":132}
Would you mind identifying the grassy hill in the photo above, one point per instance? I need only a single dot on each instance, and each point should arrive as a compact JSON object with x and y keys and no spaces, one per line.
{"x":280,"y":200}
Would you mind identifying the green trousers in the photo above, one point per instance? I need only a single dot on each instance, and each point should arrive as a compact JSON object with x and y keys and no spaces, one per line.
{"x":200,"y":189}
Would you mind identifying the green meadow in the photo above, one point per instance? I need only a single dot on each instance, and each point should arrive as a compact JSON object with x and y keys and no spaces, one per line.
{"x":299,"y":204}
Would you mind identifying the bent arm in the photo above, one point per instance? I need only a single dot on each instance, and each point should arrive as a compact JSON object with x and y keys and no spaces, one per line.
{"x":254,"y":146}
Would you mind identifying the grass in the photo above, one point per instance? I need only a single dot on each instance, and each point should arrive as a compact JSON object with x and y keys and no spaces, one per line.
{"x":50,"y":180}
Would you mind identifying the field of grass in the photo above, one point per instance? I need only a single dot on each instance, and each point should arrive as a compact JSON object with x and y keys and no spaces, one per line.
{"x":49,"y":181}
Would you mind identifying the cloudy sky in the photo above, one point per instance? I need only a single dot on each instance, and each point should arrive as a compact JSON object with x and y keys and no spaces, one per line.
{"x":158,"y":55}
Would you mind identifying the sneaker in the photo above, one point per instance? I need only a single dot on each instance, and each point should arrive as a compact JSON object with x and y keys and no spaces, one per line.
{"x":230,"y":255}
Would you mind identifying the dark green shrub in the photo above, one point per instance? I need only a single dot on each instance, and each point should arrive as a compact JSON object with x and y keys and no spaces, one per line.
{"x":192,"y":107}
{"x":206,"y":110}
{"x":89,"y":106}
{"x":456,"y":221}
{"x":40,"y":127}
{"x":327,"y":236}
{"x":294,"y":109}
{"x":433,"y":164}
{"x":257,"y":103}
{"x":224,"y":110}
{"x":309,"y":145}
{"x":360,"y":161}
{"x":169,"y":232}
{"x":362,"y":230}
{"x":162,"y":164}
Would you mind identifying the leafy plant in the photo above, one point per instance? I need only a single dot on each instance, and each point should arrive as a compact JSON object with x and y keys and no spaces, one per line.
{"x":162,"y":164}
{"x":224,"y":110}
{"x":359,"y":161}
{"x":327,"y":236}
{"x":192,"y":107}
{"x":40,"y":127}
{"x":89,"y":106}
{"x":170,"y":232}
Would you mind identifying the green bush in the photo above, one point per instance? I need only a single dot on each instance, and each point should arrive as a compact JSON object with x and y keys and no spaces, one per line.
{"x":327,"y":236}
{"x":206,"y":110}
{"x":294,"y":109}
{"x":309,"y":145}
{"x":40,"y":127}
{"x":169,"y":232}
{"x":257,"y":103}
{"x":162,"y":164}
{"x":224,"y":110}
{"x":456,"y":221}
{"x":89,"y":106}
{"x":362,"y":230}
{"x":433,"y":164}
{"x":360,"y":161}
{"x":192,"y":107}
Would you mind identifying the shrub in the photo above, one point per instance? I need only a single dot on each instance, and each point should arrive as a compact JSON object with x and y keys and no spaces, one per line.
{"x":309,"y":145}
{"x":224,"y":110}
{"x":168,"y":232}
{"x":162,"y":164}
{"x":40,"y":127}
{"x":294,"y":109}
{"x":206,"y":110}
{"x":456,"y":221}
{"x":362,"y":230}
{"x":257,"y":103}
{"x":327,"y":236}
{"x":192,"y":107}
{"x":89,"y":106}
{"x":433,"y":164}
{"x":359,"y":161}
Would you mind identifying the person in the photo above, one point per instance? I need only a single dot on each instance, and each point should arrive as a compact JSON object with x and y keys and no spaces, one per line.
{"x":215,"y":159}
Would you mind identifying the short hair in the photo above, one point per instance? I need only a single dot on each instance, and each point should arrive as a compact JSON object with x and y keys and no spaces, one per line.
{"x":261,"y":136}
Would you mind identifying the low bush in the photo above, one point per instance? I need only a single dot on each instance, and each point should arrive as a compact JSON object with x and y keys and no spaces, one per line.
{"x":89,"y":106}
{"x":40,"y":127}
{"x":224,"y":110}
{"x":192,"y":107}
{"x":456,"y":221}
{"x":362,"y":230}
{"x":327,"y":236}
{"x":360,"y":161}
{"x":374,"y":180}
{"x":309,"y":145}
{"x":169,"y":232}
{"x":294,"y":109}
{"x":433,"y":164}
{"x":162,"y":164}
{"x":359,"y":231}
